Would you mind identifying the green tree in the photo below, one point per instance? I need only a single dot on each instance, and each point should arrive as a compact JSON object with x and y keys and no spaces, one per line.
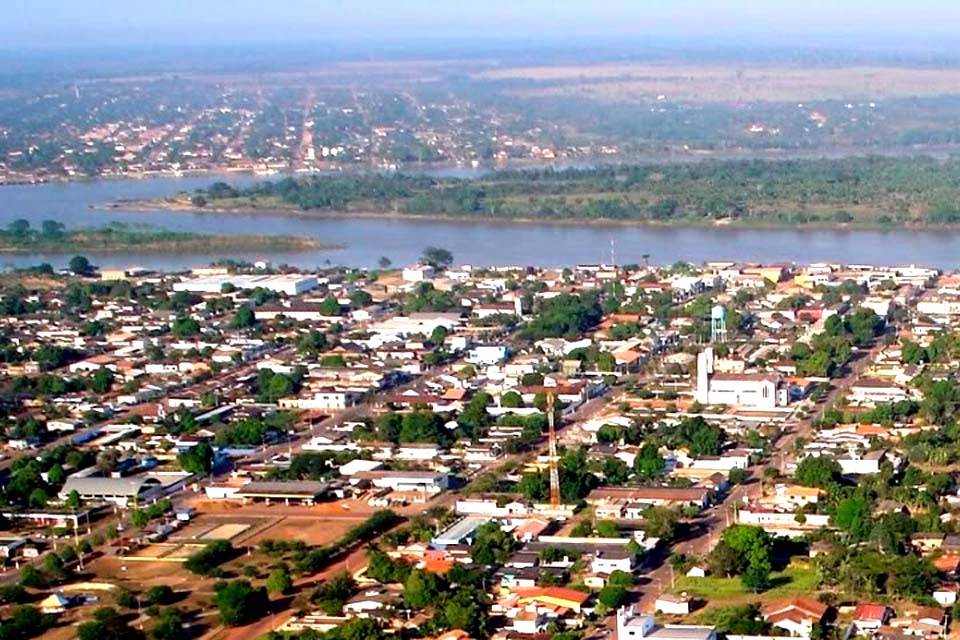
{"x":817,"y":471}
{"x":239,"y":603}
{"x":421,"y":589}
{"x":437,"y":257}
{"x":197,"y":459}
{"x":102,"y":380}
{"x":161,"y":594}
{"x":185,"y":327}
{"x":108,"y":624}
{"x":19,"y":228}
{"x":80,"y":266}
{"x":169,"y":626}
{"x":649,"y":464}
{"x":279,"y":582}
{"x":511,"y":399}
{"x":244,"y":318}
{"x":330,"y":306}
{"x":613,"y":596}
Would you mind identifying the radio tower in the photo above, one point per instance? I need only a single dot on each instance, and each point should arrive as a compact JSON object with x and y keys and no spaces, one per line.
{"x":554,"y":471}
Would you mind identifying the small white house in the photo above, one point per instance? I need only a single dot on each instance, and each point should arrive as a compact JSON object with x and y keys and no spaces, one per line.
{"x":946,"y":594}
{"x":606,"y":561}
{"x":673,"y":605}
{"x":488,"y":354}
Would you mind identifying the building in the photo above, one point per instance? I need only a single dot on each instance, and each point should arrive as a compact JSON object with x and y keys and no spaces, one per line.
{"x":304,"y":492}
{"x":797,"y":616}
{"x":631,"y":625}
{"x":291,"y":284}
{"x":417,"y":481}
{"x":617,"y":503}
{"x":121,"y":491}
{"x":868,"y":618}
{"x":488,"y":354}
{"x":609,"y":560}
{"x":460,"y":532}
{"x":322,"y":400}
{"x":673,"y":605}
{"x":750,"y":390}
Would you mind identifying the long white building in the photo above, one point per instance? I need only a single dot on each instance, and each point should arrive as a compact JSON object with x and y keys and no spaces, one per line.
{"x":291,"y":284}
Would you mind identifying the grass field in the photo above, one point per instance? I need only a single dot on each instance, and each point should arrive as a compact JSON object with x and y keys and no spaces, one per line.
{"x":797,"y":579}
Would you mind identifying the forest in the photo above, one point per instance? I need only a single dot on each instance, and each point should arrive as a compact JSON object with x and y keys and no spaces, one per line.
{"x":873,"y":191}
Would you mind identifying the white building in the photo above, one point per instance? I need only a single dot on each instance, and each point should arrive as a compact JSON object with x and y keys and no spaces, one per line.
{"x":488,"y":354}
{"x":418,"y":273}
{"x":291,"y":284}
{"x":324,"y":400}
{"x":632,"y":625}
{"x":751,"y":390}
{"x":672,"y":605}
{"x":606,"y":561}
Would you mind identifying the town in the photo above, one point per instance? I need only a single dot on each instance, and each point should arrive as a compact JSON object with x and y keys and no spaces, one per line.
{"x":448,"y":451}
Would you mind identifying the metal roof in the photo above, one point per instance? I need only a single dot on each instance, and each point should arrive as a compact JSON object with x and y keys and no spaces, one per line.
{"x":96,"y":486}
{"x":302,"y":488}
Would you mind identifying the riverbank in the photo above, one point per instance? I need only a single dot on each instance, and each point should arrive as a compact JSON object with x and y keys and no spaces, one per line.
{"x":182,"y":204}
{"x":121,"y":239}
{"x":856,"y":194}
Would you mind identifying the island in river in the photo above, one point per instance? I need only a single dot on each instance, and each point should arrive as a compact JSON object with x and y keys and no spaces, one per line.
{"x":54,"y":238}
{"x":869,"y":192}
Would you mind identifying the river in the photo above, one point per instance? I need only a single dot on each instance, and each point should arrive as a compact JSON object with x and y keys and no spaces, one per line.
{"x":365,"y":240}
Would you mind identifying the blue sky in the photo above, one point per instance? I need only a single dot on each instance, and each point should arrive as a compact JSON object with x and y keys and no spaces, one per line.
{"x":51,"y":22}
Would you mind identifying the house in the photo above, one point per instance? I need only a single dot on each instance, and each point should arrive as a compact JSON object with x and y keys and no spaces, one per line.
{"x":609,"y":560}
{"x":797,"y":616}
{"x":486,"y":355}
{"x":529,"y":530}
{"x":562,"y":597}
{"x":697,"y":571}
{"x":673,"y":605}
{"x":872,"y":391}
{"x":870,"y":617}
{"x":946,"y":594}
{"x":370,"y":602}
{"x":529,"y":622}
{"x":927,"y":541}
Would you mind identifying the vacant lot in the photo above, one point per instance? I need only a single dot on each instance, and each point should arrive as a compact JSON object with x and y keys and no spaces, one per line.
{"x":797,"y":579}
{"x":729,"y":83}
{"x":312,"y":531}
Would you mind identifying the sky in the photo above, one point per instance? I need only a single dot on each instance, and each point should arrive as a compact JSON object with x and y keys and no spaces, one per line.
{"x":45,"y":23}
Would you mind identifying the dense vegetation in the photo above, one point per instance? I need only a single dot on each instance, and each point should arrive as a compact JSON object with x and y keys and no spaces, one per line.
{"x":882,"y":191}
{"x":53,"y":237}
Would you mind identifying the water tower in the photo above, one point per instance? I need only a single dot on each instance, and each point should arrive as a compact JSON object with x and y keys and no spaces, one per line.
{"x":718,"y":324}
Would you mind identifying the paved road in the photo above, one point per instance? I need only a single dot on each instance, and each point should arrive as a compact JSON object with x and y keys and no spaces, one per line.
{"x":714,"y":520}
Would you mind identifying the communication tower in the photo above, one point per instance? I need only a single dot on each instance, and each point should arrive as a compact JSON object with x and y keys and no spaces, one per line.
{"x":554,"y":470}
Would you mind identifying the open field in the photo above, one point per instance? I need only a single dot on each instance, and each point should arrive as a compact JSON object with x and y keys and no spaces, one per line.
{"x":312,"y":531}
{"x":727,"y":82}
{"x":797,"y":579}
